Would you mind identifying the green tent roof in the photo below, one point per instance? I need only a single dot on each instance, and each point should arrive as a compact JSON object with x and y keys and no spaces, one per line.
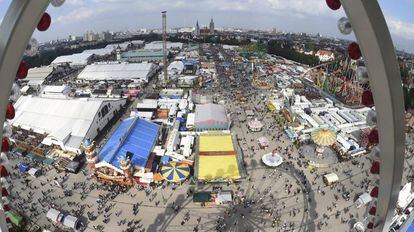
{"x":202,"y":197}
{"x":15,"y":218}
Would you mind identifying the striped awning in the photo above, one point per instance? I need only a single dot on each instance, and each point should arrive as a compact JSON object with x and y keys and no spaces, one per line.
{"x":324,"y":136}
{"x":175,"y":171}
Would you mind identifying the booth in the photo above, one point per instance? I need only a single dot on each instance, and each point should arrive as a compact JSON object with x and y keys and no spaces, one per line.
{"x":54,"y":215}
{"x":223,"y":197}
{"x":362,"y":200}
{"x":71,"y":222}
{"x":263,"y":142}
{"x":34,"y":172}
{"x":23,"y":167}
{"x":330,"y":179}
{"x":202,"y":198}
{"x":15,"y":218}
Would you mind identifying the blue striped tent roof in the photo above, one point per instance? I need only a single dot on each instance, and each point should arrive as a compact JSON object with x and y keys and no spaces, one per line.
{"x":133,"y":135}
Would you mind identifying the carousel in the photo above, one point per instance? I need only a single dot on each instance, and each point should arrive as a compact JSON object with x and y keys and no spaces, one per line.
{"x":323,"y":137}
{"x":175,"y":172}
{"x":272,"y":159}
{"x":255,"y":125}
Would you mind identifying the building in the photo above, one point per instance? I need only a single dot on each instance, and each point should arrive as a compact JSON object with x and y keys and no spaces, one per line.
{"x":99,"y":51}
{"x":114,"y":71}
{"x":172,"y":93}
{"x":137,"y":56}
{"x":74,"y":60}
{"x":37,"y":76}
{"x":325,"y":55}
{"x":197,"y":29}
{"x":157,"y":45}
{"x":217,"y":159}
{"x":211,"y":117}
{"x":105,"y":36}
{"x":212,"y":32}
{"x":187,"y":81}
{"x":65,"y":122}
{"x":128,"y":153}
{"x":205,"y":30}
{"x":175,"y":68}
{"x":51,"y":91}
{"x":89,"y":36}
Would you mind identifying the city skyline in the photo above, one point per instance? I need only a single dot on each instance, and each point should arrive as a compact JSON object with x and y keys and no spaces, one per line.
{"x":309,"y":16}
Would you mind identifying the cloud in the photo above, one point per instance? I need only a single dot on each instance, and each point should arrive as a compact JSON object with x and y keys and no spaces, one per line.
{"x":309,"y":7}
{"x":76,"y":2}
{"x":80,"y":14}
{"x":400,"y":28}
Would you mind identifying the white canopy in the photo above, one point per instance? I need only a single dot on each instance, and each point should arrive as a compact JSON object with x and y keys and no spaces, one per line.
{"x":405,"y":196}
{"x":71,"y":221}
{"x":53,"y":214}
{"x":224,"y":197}
{"x":33,"y":171}
{"x":272,"y":159}
{"x":330,"y":178}
{"x":363,"y":200}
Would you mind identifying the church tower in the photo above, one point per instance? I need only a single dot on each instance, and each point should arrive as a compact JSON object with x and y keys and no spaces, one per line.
{"x":211,"y":27}
{"x":197,"y":29}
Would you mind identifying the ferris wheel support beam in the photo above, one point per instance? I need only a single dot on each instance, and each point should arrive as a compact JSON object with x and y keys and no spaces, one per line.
{"x":16,"y":29}
{"x":376,"y":45}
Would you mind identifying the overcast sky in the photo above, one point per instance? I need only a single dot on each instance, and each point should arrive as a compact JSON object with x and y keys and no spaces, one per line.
{"x":311,"y":16}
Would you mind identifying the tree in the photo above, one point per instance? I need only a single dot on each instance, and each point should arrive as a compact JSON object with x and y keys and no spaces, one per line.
{"x":406,"y":98}
{"x":284,"y":49}
{"x":411,"y":98}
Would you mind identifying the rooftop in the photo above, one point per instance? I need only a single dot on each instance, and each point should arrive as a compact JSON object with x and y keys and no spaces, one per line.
{"x":216,"y":143}
{"x":117,"y":71}
{"x":134,"y":135}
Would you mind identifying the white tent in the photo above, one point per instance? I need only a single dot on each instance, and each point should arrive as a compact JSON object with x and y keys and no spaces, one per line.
{"x":224,"y":197}
{"x":330,"y":178}
{"x":34,"y":172}
{"x":211,"y":117}
{"x":54,"y":215}
{"x":272,"y":159}
{"x":405,"y":196}
{"x":363,"y":200}
{"x":118,"y":71}
{"x":71,"y":221}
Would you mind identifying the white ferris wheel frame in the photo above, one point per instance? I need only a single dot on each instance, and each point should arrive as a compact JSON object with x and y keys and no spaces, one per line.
{"x":376,"y":45}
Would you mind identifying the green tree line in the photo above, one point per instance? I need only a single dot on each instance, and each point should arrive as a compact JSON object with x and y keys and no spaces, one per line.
{"x":284,"y":50}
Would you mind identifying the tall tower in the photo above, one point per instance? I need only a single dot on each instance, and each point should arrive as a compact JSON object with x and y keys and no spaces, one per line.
{"x":118,"y":53}
{"x":90,"y":153}
{"x":164,"y":44}
{"x":197,"y":29}
{"x":211,"y":26}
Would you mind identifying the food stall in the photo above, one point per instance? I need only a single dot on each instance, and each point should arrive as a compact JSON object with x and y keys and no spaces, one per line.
{"x":54,"y":215}
{"x":71,"y":222}
{"x":223,"y":197}
{"x":202,"y":198}
{"x":15,"y":218}
{"x":34,"y":172}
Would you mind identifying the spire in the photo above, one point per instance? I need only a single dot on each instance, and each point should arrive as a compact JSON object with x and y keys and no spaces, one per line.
{"x":197,"y":29}
{"x":211,"y":26}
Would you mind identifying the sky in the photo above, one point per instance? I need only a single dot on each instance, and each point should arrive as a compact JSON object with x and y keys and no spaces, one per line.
{"x":76,"y":17}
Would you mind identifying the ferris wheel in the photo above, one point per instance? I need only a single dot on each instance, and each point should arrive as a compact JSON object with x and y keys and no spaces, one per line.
{"x":374,"y":45}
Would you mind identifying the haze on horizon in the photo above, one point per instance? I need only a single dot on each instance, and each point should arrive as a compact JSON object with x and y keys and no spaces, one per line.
{"x":76,"y":17}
